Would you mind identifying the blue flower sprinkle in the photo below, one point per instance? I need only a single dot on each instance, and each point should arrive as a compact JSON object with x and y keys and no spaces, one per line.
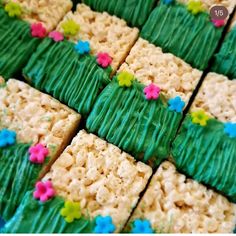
{"x":82,"y":47}
{"x":104,"y":225}
{"x":142,"y":226}
{"x":230,"y":129}
{"x":176,"y":104}
{"x":7,"y":137}
{"x":168,"y":1}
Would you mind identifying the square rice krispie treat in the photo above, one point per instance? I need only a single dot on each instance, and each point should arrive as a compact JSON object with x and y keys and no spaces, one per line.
{"x":92,"y":187}
{"x":225,"y":59}
{"x":193,"y":36}
{"x":34,"y":129}
{"x":205,"y":147}
{"x":16,"y":45}
{"x":106,"y":34}
{"x":175,"y":204}
{"x":135,"y":13}
{"x":47,"y":12}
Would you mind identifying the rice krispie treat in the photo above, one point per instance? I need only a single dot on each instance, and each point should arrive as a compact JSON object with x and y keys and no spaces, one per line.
{"x":34,"y":129}
{"x":225,"y":59}
{"x":185,"y":28}
{"x":150,"y":64}
{"x":133,"y":12}
{"x":47,"y":12}
{"x":136,"y":118}
{"x":205,"y":148}
{"x":106,"y":34}
{"x":16,"y":44}
{"x":93,"y":187}
{"x":175,"y":204}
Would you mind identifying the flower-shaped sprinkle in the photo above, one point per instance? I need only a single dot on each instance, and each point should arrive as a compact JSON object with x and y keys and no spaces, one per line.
{"x":230,"y":129}
{"x":104,"y":225}
{"x":195,"y":6}
{"x":199,"y":117}
{"x":71,"y":211}
{"x":218,"y":23}
{"x":44,"y":191}
{"x":82,"y":47}
{"x":168,"y":2}
{"x":38,"y":30}
{"x":13,"y":9}
{"x":56,"y":36}
{"x":142,"y":226}
{"x":152,"y":92}
{"x":38,"y":153}
{"x":176,"y":104}
{"x":103,"y":59}
{"x":70,"y":28}
{"x":125,"y":79}
{"x":7,"y":138}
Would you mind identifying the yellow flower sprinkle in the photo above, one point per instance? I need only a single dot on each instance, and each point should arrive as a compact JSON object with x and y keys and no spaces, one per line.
{"x":71,"y":211}
{"x":70,"y":27}
{"x":195,"y":6}
{"x":125,"y":79}
{"x":200,"y":117}
{"x":13,"y":9}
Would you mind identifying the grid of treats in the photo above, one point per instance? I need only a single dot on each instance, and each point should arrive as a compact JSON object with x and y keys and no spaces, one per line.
{"x":176,"y":204}
{"x":47,"y":12}
{"x":106,"y":34}
{"x":93,"y":176}
{"x":135,"y":13}
{"x":225,"y":59}
{"x":34,"y":130}
{"x":150,"y":64}
{"x":186,"y":30}
{"x":205,"y":147}
{"x":16,"y":45}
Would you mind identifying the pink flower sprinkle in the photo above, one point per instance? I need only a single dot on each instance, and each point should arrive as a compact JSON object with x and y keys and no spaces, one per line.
{"x":44,"y":191}
{"x":103,"y":59}
{"x":218,"y":23}
{"x":37,"y":30}
{"x":56,"y":36}
{"x":38,"y":153}
{"x":152,"y":92}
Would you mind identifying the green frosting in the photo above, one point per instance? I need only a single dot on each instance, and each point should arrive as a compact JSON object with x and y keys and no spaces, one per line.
{"x":32,"y":216}
{"x":17,"y":176}
{"x":207,"y":154}
{"x":59,"y":70}
{"x":125,"y":118}
{"x":135,"y":12}
{"x":16,"y":45}
{"x":176,"y":30}
{"x":225,"y":59}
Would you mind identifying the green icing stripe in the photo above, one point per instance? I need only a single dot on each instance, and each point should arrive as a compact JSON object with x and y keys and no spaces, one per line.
{"x":192,"y":38}
{"x":59,"y":70}
{"x":16,"y":45}
{"x":225,"y":59}
{"x":135,"y":12}
{"x":125,"y":118}
{"x":207,"y":154}
{"x":35,"y":217}
{"x":17,"y":176}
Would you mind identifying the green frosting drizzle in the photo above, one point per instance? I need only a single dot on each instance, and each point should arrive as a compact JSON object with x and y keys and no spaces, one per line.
{"x":59,"y":70}
{"x":16,"y":45}
{"x":125,"y":118}
{"x":135,"y":12}
{"x":192,"y":38}
{"x":225,"y":59}
{"x":207,"y":154}
{"x":17,"y":176}
{"x":33,"y":216}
